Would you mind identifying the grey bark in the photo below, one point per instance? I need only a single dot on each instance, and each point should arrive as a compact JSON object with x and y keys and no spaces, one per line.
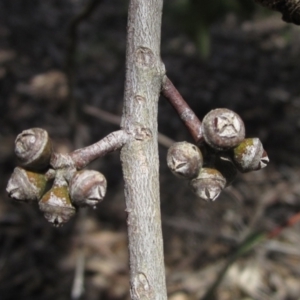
{"x":139,"y":156}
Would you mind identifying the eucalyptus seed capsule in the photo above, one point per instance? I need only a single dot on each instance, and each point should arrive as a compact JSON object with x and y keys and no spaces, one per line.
{"x":56,"y":205}
{"x":223,"y":129}
{"x":87,"y":188}
{"x":33,"y":149}
{"x":184,"y":160}
{"x":209,"y":184}
{"x":250,"y":155}
{"x":24,"y":185}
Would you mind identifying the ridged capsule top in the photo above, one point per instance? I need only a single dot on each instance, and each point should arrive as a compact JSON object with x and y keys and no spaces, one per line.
{"x":87,"y":188}
{"x":24,"y":185}
{"x":209,"y":184}
{"x":250,"y":155}
{"x":33,"y":148}
{"x":56,"y":205}
{"x":184,"y":160}
{"x":223,"y":129}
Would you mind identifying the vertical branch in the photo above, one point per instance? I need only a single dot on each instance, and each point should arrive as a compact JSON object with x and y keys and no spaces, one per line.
{"x":144,"y":73}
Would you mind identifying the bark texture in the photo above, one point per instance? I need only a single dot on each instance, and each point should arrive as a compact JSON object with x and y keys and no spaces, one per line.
{"x":144,"y":73}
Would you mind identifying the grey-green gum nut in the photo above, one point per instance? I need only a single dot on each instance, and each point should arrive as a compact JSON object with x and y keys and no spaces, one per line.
{"x":223,"y":129}
{"x":250,"y":155}
{"x":56,"y":205}
{"x":209,"y":184}
{"x":24,"y":185}
{"x":184,"y":160}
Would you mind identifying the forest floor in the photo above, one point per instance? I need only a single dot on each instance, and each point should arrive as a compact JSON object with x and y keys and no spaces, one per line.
{"x":253,"y":69}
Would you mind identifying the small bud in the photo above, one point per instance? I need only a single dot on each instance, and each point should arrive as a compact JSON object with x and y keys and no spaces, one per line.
{"x":24,"y":185}
{"x":250,"y":155}
{"x":184,"y":160}
{"x":56,"y":205}
{"x":87,"y":188}
{"x":223,"y":129}
{"x":209,"y":184}
{"x":33,"y":148}
{"x":226,"y":167}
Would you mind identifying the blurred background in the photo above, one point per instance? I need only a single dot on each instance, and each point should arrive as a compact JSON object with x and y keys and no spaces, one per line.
{"x":218,"y":53}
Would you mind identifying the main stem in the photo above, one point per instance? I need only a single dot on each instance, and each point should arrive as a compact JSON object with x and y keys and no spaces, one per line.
{"x":144,"y":74}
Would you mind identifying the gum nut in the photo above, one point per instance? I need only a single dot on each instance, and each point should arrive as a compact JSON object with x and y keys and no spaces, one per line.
{"x":184,"y":160}
{"x":56,"y":205}
{"x":209,"y":184}
{"x":87,"y":188}
{"x":33,"y":148}
{"x":250,"y":155}
{"x":24,"y":185}
{"x":223,"y":129}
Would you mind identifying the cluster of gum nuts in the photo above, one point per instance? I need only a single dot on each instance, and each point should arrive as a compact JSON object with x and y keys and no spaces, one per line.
{"x":59,"y":191}
{"x":214,"y":164}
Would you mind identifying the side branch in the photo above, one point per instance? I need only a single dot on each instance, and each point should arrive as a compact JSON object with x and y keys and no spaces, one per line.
{"x":110,"y":143}
{"x":72,"y":33}
{"x":116,"y":120}
{"x":185,"y":113}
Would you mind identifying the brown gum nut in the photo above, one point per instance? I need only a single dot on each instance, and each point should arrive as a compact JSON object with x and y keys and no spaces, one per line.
{"x":184,"y":160}
{"x":87,"y":188}
{"x":33,"y":148}
{"x":223,"y":129}
{"x":56,"y":205}
{"x":24,"y":185}
{"x":209,"y":184}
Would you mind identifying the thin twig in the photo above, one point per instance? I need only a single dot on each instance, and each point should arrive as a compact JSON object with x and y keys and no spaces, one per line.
{"x":288,"y":223}
{"x":112,"y":142}
{"x":185,"y":113}
{"x":78,"y":283}
{"x":72,"y":40}
{"x":77,"y":291}
{"x":72,"y":33}
{"x":81,"y":157}
{"x":116,"y":120}
{"x":102,"y":114}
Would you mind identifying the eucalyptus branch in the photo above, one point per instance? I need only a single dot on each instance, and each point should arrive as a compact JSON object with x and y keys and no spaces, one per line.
{"x":80,"y":158}
{"x":140,"y":164}
{"x":222,"y":132}
{"x":71,"y":187}
{"x":116,"y":120}
{"x":112,"y":142}
{"x":185,"y":113}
